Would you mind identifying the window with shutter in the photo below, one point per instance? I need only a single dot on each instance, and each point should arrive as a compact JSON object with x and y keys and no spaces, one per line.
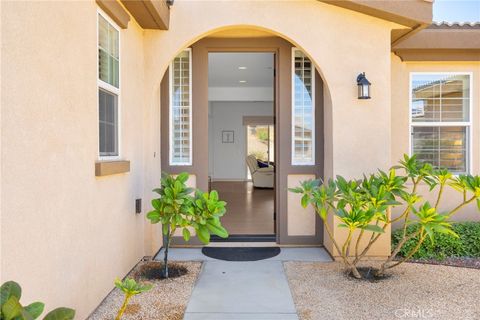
{"x":440,"y":114}
{"x":181,"y":109}
{"x":303,"y":109}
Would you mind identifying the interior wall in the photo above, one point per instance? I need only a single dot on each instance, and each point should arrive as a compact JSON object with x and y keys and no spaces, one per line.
{"x":227,"y":160}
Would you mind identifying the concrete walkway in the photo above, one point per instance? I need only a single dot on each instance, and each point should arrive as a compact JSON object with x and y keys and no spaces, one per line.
{"x":256,"y":290}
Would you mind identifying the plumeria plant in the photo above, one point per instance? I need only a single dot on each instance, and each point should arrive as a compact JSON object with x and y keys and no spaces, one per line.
{"x":364,"y":207}
{"x":181,"y":207}
{"x":130,"y":288}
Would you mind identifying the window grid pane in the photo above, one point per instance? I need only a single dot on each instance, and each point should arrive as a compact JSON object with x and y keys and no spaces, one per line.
{"x":180,"y":109}
{"x":108,"y":52}
{"x":108,"y":123}
{"x":303,"y":110}
{"x":440,"y":104}
{"x":440,"y":98}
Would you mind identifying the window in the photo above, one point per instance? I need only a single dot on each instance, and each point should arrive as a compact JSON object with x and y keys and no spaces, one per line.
{"x":261,"y":143}
{"x":108,"y":119}
{"x":108,"y":57}
{"x":303,"y":109}
{"x":108,"y":87}
{"x":181,"y":109}
{"x":440,"y":114}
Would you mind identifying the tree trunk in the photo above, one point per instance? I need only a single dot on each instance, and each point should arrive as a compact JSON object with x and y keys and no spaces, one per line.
{"x":123,"y":308}
{"x":166,"y":243}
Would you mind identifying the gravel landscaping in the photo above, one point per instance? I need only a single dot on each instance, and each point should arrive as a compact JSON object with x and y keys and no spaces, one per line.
{"x":167,"y":300}
{"x":466,"y":262}
{"x":413,"y":291}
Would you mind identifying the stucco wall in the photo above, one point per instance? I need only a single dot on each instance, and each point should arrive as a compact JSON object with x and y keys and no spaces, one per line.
{"x":342,"y":43}
{"x":65,"y":233}
{"x":400,"y":123}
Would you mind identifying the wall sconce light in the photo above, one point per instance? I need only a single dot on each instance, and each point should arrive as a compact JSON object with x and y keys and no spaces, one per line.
{"x":363,"y":86}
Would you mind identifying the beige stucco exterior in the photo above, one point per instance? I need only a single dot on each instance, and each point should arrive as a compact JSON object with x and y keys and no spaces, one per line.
{"x":400,"y":121}
{"x":65,"y":233}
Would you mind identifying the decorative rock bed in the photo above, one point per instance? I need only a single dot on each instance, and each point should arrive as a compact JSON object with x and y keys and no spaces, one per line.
{"x":412,"y":291}
{"x":167,"y":300}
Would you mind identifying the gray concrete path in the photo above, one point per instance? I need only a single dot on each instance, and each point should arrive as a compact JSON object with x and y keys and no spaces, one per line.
{"x":244,"y":290}
{"x":241,"y":290}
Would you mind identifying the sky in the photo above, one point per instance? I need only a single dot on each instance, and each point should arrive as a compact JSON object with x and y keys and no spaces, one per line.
{"x":456,"y":10}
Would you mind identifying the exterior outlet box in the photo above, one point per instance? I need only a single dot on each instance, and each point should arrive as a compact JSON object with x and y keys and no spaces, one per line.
{"x":138,"y":206}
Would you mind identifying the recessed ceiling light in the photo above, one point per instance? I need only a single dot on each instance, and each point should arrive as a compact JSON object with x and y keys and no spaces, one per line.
{"x":242,"y":68}
{"x":242,"y":81}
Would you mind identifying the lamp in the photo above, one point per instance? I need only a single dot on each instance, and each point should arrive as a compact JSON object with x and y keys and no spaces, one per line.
{"x":363,"y":86}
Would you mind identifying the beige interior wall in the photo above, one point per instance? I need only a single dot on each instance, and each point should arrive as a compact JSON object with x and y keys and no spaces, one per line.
{"x":66,"y":234}
{"x":400,"y":124}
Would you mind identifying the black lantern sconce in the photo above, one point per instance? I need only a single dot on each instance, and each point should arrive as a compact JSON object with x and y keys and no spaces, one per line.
{"x":363,"y":86}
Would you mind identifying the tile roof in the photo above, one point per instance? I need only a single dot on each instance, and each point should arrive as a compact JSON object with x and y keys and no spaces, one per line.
{"x":454,"y":25}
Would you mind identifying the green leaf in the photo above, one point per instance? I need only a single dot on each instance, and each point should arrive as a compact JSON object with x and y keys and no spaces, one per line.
{"x":35,"y":309}
{"x":153,"y":216}
{"x":186,"y":234}
{"x":305,"y":200}
{"x":217,"y":230}
{"x":296,"y":190}
{"x":60,"y":314}
{"x":203,"y":234}
{"x":183,"y":177}
{"x":157,"y":204}
{"x":373,"y":228}
{"x":8,"y":289}
{"x":11,"y":308}
{"x":478,"y":203}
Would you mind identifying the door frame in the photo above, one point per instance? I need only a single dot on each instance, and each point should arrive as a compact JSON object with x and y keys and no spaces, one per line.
{"x":274,"y":51}
{"x":282,"y":119}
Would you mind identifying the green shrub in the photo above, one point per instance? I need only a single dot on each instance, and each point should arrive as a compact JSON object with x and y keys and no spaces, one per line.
{"x":12,"y":309}
{"x":444,"y":246}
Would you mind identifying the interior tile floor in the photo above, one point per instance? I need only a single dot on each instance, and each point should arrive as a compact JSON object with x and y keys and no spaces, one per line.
{"x":249,"y":210}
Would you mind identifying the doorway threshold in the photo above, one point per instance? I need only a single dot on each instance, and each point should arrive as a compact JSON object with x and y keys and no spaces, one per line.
{"x":245,"y":238}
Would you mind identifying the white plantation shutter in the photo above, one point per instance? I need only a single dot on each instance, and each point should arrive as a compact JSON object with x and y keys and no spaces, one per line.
{"x":303,"y":109}
{"x":181,"y":109}
{"x":440,"y":119}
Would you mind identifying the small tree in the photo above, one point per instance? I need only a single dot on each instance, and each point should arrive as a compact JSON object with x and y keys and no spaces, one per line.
{"x":366,"y":205}
{"x":12,"y":309}
{"x":177,"y":208}
{"x":130,"y":288}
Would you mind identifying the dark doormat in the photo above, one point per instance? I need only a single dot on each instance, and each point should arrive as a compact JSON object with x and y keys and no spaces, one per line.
{"x":240,"y":253}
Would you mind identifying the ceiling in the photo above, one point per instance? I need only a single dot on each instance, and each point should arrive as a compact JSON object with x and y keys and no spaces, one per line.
{"x":228,"y":69}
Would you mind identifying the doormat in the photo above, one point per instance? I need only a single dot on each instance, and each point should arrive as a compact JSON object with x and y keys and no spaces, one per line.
{"x":240,"y":253}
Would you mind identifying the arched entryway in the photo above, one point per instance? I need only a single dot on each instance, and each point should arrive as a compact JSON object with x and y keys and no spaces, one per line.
{"x":297,"y":112}
{"x":338,"y":57}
